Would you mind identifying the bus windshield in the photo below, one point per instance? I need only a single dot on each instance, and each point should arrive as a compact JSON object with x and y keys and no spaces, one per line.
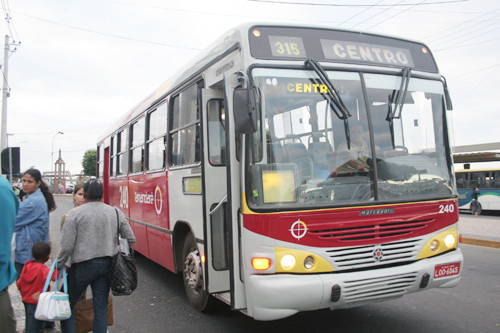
{"x":387,"y":149}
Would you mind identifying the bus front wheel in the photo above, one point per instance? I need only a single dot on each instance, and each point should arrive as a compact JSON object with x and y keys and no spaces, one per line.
{"x":193,"y":274}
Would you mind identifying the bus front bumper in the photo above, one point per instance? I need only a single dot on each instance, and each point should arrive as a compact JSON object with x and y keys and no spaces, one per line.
{"x":282,"y":295}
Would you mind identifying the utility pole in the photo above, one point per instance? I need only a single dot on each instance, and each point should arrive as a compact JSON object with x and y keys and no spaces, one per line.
{"x":5,"y":93}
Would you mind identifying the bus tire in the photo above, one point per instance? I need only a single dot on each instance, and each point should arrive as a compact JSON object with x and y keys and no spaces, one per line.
{"x":192,"y":273}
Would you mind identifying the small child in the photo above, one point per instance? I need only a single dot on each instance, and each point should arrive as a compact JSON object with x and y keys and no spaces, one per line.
{"x":31,"y":284}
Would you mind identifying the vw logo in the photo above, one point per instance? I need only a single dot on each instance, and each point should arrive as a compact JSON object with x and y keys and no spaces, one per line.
{"x":378,"y":254}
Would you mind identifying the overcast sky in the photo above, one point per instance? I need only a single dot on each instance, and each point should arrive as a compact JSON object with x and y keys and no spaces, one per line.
{"x":83,"y":64}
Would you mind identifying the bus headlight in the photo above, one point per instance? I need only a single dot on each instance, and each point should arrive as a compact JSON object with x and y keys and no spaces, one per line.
{"x":300,"y":261}
{"x":440,"y":243}
{"x":434,"y":245}
{"x":288,"y":261}
{"x":449,"y":241}
{"x":309,"y":262}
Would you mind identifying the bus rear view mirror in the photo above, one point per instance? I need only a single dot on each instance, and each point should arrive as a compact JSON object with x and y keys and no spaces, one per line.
{"x":245,"y":117}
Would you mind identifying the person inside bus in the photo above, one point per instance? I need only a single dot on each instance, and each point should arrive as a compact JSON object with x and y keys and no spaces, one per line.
{"x":354,"y":159}
{"x":475,"y":204}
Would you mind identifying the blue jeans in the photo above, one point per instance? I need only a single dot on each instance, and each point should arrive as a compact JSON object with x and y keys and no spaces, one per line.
{"x":19,"y":269}
{"x":93,"y":272}
{"x":33,"y":325}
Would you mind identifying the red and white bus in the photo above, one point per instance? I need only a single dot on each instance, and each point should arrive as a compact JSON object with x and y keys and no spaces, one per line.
{"x":293,"y":168}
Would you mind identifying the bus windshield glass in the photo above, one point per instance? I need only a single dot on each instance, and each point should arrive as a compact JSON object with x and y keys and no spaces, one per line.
{"x":307,"y":154}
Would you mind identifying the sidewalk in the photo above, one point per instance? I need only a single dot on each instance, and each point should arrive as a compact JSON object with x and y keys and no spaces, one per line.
{"x":482,"y":230}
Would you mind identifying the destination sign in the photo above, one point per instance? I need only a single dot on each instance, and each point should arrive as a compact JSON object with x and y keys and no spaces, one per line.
{"x":362,"y":52}
{"x":287,"y":47}
{"x":337,"y":46}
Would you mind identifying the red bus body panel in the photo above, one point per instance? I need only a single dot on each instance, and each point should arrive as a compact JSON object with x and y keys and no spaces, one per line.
{"x":357,"y":226}
{"x":146,"y":206}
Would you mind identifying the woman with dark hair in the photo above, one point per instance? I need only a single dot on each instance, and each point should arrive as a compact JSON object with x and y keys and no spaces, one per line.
{"x":89,"y":236}
{"x":32,"y":222}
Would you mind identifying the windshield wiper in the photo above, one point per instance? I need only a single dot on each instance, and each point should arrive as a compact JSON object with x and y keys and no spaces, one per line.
{"x":398,"y":99}
{"x":332,"y":96}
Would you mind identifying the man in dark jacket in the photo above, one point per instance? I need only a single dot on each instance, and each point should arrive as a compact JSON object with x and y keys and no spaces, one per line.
{"x":475,"y":204}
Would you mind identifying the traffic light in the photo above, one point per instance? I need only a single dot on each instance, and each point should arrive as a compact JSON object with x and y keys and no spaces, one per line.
{"x":11,"y":166}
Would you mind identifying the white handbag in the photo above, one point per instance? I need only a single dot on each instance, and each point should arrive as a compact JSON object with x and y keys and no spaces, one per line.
{"x":54,"y":305}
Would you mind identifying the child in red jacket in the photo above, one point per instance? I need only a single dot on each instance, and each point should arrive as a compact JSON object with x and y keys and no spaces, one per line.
{"x":31,"y":283}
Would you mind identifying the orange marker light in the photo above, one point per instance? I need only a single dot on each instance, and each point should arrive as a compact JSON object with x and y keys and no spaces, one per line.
{"x":202,"y":258}
{"x":256,"y":33}
{"x":261,"y":264}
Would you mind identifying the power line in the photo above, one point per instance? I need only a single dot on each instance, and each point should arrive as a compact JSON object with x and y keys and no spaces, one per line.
{"x":369,"y":18}
{"x":476,"y":33}
{"x":108,"y":34}
{"x":461,"y":26}
{"x":466,"y":45}
{"x":475,"y":71}
{"x":361,"y":12}
{"x":397,"y":14}
{"x":10,"y":25}
{"x":357,"y":5}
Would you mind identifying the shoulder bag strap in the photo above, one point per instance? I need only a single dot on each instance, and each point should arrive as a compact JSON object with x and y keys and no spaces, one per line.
{"x":63,"y":276}
{"x":47,"y":281}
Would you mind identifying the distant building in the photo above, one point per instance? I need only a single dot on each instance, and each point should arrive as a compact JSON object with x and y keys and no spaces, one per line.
{"x":59,"y":184}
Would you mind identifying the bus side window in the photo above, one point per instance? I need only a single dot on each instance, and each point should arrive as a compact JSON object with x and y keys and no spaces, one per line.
{"x":461,"y":182}
{"x":112,"y":156}
{"x":156,"y":129}
{"x":216,"y":132}
{"x":138,"y":135}
{"x":100,"y":163}
{"x":496,"y":180}
{"x":122,"y":154}
{"x":185,"y":128}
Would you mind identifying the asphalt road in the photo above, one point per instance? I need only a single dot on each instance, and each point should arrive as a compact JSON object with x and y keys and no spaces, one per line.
{"x":160,"y":305}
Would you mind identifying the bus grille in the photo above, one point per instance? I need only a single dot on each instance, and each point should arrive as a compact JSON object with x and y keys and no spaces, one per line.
{"x":374,"y":255}
{"x":378,"y":288}
{"x":372,"y":232}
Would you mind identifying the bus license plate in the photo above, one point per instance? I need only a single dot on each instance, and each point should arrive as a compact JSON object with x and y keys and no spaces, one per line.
{"x":446,"y":270}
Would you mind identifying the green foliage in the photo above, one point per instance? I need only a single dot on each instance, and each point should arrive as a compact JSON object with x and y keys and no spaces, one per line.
{"x":89,"y":162}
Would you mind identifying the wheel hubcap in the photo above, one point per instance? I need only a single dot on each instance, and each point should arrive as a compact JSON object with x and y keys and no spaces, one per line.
{"x":192,"y":270}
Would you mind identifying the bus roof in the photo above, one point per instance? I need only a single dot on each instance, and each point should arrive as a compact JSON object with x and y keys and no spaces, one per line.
{"x":239,"y":37}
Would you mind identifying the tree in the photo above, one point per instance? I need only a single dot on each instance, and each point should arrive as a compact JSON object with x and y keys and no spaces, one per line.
{"x":89,"y":162}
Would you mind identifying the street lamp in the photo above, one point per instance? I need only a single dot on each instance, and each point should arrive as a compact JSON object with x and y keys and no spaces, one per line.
{"x":52,"y":160}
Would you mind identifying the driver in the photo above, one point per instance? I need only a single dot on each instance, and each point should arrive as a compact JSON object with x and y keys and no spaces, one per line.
{"x":354,"y":160}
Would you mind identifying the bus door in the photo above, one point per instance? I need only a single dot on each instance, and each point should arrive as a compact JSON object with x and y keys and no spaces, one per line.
{"x":217,"y":266}
{"x":105,"y":174}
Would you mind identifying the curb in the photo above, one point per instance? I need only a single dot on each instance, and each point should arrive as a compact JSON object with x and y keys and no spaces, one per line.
{"x":481,"y":242}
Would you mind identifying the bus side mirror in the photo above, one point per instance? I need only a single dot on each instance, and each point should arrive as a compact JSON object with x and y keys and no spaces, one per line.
{"x":245,"y":115}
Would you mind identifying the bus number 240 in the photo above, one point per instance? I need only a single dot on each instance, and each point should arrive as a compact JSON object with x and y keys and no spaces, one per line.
{"x":123,"y":196}
{"x":446,"y":208}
